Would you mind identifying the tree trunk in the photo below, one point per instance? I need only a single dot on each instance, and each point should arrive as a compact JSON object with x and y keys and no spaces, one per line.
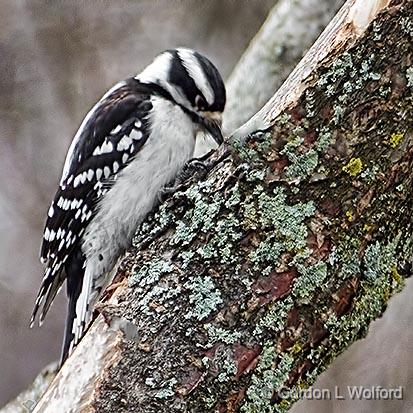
{"x":243,"y":287}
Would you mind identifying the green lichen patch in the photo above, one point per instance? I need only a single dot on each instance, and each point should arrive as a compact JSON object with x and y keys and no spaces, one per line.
{"x":202,"y":221}
{"x":288,"y":220}
{"x":154,"y":225}
{"x":274,"y":318}
{"x":271,"y":375}
{"x":255,"y":175}
{"x":378,"y":266}
{"x":159,"y":295}
{"x":302,"y":165}
{"x":234,"y":198}
{"x":150,"y":273}
{"x":219,"y":334}
{"x":367,"y":306}
{"x":253,"y":148}
{"x":303,"y":160}
{"x":268,"y":251}
{"x":337,"y":71}
{"x":379,"y":260}
{"x":184,"y":234}
{"x":304,"y":155}
{"x":203,"y":297}
{"x":407,"y":26}
{"x":346,"y":76}
{"x":228,"y":370}
{"x":311,"y":278}
{"x":310,"y":103}
{"x":186,"y":258}
{"x":369,"y":174}
{"x":339,"y":113}
{"x":348,"y":257}
{"x":200,"y":218}
{"x":221,"y":245}
{"x":325,"y":138}
{"x":283,"y":229}
{"x":409,"y":77}
{"x":167,"y":390}
{"x":295,"y":141}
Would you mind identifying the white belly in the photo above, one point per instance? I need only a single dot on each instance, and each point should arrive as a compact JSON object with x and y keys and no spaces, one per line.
{"x":133,"y":195}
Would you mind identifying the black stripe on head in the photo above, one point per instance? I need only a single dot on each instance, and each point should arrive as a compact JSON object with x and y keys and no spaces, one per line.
{"x":179,"y":76}
{"x":216,"y":82}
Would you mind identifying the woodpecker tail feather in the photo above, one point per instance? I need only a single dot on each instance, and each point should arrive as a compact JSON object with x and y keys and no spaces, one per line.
{"x":84,"y":290}
{"x":51,"y":285}
{"x":75,"y":276}
{"x":84,"y":308}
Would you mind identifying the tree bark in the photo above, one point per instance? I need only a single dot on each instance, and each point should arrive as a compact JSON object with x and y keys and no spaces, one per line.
{"x":244,"y":286}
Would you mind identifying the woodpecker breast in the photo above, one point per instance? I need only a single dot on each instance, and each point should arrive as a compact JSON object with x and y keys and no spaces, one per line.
{"x":132,"y":196}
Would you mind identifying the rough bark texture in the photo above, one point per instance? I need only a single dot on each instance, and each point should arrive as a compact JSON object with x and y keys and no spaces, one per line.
{"x":253,"y":279}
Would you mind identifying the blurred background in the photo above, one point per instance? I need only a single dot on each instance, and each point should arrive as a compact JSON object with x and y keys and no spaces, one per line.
{"x":56,"y":60}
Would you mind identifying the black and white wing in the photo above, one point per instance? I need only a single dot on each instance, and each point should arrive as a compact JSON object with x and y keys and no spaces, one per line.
{"x":110,"y":136}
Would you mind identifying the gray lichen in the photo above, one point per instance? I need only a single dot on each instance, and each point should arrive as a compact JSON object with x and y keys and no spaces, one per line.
{"x":275,"y":317}
{"x":271,"y":374}
{"x":150,"y":272}
{"x":203,"y":296}
{"x":219,"y":334}
{"x":311,"y":278}
{"x":409,"y":76}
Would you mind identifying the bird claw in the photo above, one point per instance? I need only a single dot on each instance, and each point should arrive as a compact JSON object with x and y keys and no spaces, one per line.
{"x":199,"y":167}
{"x":194,"y":167}
{"x":194,"y":170}
{"x":191,"y":168}
{"x":167,"y":191}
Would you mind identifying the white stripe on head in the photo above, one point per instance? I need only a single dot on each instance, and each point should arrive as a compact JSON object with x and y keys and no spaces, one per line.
{"x":195,"y":70}
{"x":158,"y":72}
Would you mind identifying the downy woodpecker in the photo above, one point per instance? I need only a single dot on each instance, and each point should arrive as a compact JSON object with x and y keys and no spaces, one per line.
{"x":133,"y":142}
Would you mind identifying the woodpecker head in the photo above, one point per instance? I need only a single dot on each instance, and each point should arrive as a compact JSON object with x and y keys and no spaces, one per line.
{"x":194,"y":83}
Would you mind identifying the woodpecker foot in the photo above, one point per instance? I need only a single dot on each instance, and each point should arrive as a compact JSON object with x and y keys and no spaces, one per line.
{"x":167,"y":191}
{"x":194,"y":170}
{"x":197,"y":168}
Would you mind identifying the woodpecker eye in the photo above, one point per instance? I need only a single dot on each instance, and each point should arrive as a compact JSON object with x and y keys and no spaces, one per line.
{"x":200,"y":103}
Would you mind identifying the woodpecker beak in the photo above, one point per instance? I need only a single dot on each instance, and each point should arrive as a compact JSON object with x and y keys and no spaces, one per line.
{"x":212,"y":122}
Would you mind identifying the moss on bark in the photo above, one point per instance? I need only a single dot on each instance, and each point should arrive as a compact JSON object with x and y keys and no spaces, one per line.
{"x":261,"y":274}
